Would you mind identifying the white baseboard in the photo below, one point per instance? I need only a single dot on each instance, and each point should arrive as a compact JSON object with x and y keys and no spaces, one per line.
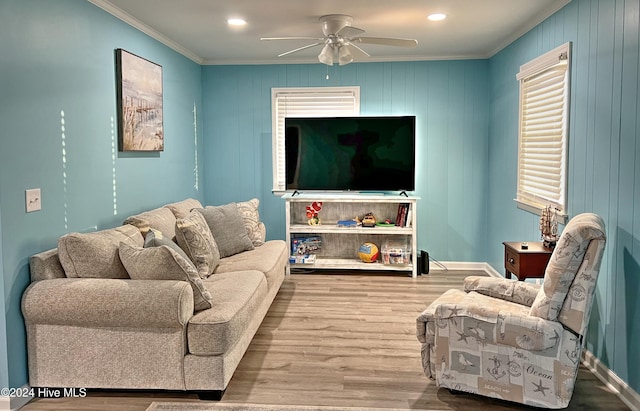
{"x":626,"y":394}
{"x":461,"y":266}
{"x":15,"y":403}
{"x":492,"y":271}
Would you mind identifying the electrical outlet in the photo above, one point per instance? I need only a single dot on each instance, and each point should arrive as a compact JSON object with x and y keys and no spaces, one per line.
{"x":33,"y":200}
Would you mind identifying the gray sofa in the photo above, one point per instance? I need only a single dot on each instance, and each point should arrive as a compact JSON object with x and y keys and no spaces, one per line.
{"x":142,"y":306}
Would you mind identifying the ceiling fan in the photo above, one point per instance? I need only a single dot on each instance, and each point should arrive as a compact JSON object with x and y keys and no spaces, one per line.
{"x":341,"y":40}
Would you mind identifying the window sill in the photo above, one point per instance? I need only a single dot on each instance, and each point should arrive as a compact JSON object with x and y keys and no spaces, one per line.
{"x":537,"y":209}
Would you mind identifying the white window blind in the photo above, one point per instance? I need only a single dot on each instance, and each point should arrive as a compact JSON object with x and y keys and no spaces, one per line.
{"x":543,"y":129}
{"x":306,"y":102}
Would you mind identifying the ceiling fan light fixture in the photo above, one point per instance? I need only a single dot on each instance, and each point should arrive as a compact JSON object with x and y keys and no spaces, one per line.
{"x":344,"y":56}
{"x":340,"y":39}
{"x":326,"y":55}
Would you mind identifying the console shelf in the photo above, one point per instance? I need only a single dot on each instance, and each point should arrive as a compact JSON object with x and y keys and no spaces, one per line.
{"x":340,"y":244}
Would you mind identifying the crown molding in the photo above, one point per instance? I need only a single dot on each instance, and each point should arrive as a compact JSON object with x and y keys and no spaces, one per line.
{"x":137,"y":24}
{"x":530,"y":25}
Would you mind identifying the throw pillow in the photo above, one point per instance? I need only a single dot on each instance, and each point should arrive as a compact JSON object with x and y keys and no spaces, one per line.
{"x":95,"y":255}
{"x":227,"y":227}
{"x":160,"y":219}
{"x":155,"y":238}
{"x":164,"y":263}
{"x":181,"y":209}
{"x":251,"y":217}
{"x":194,"y":237}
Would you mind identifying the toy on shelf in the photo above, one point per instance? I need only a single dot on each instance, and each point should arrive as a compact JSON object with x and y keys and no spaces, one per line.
{"x":369,"y":220}
{"x":368,"y":253}
{"x":312,"y":212}
{"x":396,"y":253}
{"x":350,"y":223}
{"x":386,"y":223}
{"x":306,"y":245}
{"x":303,"y":259}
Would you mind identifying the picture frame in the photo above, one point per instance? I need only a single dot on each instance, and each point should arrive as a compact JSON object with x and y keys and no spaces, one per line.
{"x":139,"y":100}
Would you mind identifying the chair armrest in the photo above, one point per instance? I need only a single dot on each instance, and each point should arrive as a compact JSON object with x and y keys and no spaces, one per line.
{"x":507,"y":290}
{"x":425,"y":321}
{"x":495,"y":326}
{"x":93,"y":302}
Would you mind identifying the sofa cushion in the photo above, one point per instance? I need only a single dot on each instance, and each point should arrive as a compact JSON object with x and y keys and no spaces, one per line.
{"x":164,"y":263}
{"x":194,"y":237}
{"x":235,"y":303}
{"x":270,"y":259}
{"x":251,"y":217}
{"x":95,"y":255}
{"x":227,"y":227}
{"x":161,"y":219}
{"x":181,"y":209}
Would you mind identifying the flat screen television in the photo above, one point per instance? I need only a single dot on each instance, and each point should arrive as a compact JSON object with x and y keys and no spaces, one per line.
{"x":350,"y":153}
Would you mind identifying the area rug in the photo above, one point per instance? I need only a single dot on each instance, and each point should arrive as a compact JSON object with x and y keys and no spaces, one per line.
{"x":208,"y":406}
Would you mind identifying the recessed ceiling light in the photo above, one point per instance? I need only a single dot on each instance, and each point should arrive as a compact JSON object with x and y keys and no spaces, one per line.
{"x":437,"y":16}
{"x":236,"y":22}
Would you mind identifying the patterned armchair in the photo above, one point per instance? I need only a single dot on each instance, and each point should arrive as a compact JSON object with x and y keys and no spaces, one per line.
{"x":513,"y":340}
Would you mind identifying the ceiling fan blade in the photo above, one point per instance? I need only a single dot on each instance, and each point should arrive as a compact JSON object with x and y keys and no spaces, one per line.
{"x":357,"y":51}
{"x":349,"y":31}
{"x":385,"y":41}
{"x":308,"y":46}
{"x":289,"y":38}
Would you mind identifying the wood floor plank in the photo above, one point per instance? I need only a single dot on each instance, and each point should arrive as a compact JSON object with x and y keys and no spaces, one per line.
{"x":342,"y":339}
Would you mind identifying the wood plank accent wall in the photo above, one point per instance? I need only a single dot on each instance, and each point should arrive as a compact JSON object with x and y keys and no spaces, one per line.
{"x":604,"y":159}
{"x":449,"y":99}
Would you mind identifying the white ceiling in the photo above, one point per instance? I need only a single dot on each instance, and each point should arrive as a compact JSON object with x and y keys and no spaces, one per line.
{"x":198,"y":28}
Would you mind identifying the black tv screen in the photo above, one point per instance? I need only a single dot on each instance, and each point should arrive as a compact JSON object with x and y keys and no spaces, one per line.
{"x":350,"y":153}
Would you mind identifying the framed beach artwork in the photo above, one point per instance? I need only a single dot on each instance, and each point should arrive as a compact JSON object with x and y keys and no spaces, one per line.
{"x":139,"y":97}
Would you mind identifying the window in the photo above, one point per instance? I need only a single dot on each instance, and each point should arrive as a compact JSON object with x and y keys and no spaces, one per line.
{"x":306,"y":102}
{"x":543,"y":128}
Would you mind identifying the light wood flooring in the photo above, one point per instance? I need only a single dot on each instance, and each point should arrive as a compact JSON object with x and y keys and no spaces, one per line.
{"x":341,"y":339}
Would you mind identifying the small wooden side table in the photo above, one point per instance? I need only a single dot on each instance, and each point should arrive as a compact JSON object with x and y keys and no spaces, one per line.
{"x":526,"y":263}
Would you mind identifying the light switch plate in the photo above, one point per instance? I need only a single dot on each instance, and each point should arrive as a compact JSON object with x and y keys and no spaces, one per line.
{"x":33,"y":200}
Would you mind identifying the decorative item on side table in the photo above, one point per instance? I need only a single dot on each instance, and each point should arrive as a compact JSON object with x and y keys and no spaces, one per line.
{"x":312,"y":212}
{"x":549,"y":226}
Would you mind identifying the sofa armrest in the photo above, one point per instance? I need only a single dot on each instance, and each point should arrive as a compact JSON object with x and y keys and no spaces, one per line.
{"x":507,"y":290}
{"x":92,"y":302}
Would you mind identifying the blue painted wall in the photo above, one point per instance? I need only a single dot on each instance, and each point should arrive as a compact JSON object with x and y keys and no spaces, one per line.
{"x":604,"y":159}
{"x":57,"y":70}
{"x":450,"y":100}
